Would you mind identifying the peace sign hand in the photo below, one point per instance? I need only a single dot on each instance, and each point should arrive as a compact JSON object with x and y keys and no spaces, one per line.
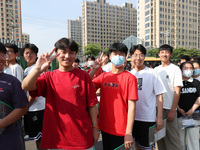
{"x":45,"y":60}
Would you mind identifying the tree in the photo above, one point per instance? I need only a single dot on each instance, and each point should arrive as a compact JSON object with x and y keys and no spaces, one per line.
{"x":92,"y":49}
{"x":79,"y":47}
{"x":152,"y":53}
{"x":106,"y":50}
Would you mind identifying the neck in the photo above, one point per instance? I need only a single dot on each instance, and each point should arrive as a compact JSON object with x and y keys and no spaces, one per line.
{"x":185,"y":79}
{"x":138,"y":68}
{"x":117,"y":70}
{"x":196,"y":76}
{"x":65,"y":69}
{"x":11,"y":62}
{"x":30,"y":64}
{"x":164,"y":64}
{"x":104,"y":63}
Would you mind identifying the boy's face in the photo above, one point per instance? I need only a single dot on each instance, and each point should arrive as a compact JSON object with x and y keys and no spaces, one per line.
{"x":30,"y":56}
{"x":117,"y":53}
{"x":137,"y":58}
{"x":66,"y":57}
{"x":2,"y":61}
{"x":11,"y":54}
{"x":165,"y":55}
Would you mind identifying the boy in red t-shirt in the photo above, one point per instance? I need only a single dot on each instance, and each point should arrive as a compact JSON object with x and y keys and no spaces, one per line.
{"x":70,"y":117}
{"x":118,"y":97}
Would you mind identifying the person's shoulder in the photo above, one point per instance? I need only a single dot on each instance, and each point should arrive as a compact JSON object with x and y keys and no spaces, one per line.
{"x":128,"y":74}
{"x":8,"y":77}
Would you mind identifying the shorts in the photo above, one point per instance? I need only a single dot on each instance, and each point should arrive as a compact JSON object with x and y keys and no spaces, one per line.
{"x":141,"y":133}
{"x":33,"y":122}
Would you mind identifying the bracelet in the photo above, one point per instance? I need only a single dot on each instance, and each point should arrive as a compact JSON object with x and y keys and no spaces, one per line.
{"x":95,"y":127}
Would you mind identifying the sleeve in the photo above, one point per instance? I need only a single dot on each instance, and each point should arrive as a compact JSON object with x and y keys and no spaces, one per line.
{"x":97,"y":81}
{"x":19,"y":73}
{"x":41,"y":86}
{"x":158,"y":86}
{"x":19,"y":99}
{"x":132,"y":88}
{"x":178,"y":77}
{"x":90,"y":93}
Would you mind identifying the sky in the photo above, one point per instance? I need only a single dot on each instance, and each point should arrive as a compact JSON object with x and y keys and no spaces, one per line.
{"x":46,"y":20}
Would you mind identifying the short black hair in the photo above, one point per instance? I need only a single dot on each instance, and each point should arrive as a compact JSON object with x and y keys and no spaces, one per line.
{"x":195,"y":61}
{"x":92,"y":58}
{"x":186,"y":62}
{"x":165,"y":47}
{"x":186,"y":57}
{"x":77,"y":60}
{"x":118,"y":47}
{"x":30,"y":46}
{"x":13,"y":46}
{"x":138,"y":47}
{"x":195,"y":57}
{"x":2,"y":48}
{"x":64,"y":43}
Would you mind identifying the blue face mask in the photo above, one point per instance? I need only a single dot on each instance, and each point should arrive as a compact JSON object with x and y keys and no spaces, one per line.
{"x":196,"y":72}
{"x":118,"y":61}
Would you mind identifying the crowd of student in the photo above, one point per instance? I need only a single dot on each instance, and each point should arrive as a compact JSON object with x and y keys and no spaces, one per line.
{"x":60,"y":107}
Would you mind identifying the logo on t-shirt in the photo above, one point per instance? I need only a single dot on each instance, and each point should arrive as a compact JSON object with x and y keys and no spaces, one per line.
{"x":139,"y":81}
{"x":1,"y":90}
{"x":76,"y":86}
{"x":111,"y":85}
{"x":188,"y":90}
{"x":167,"y":76}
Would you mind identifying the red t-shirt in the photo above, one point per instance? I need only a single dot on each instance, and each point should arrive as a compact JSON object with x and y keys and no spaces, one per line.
{"x":116,"y":90}
{"x":66,"y":124}
{"x":99,"y":72}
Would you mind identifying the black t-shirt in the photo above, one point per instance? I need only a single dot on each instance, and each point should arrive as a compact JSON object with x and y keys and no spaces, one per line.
{"x":189,"y":93}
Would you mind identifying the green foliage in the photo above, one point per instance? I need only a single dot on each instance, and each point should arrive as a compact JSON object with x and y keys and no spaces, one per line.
{"x":92,"y":49}
{"x":79,"y":47}
{"x":106,"y":50}
{"x":177,"y":53}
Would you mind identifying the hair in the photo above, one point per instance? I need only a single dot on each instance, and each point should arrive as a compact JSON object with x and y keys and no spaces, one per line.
{"x":2,"y":48}
{"x":77,"y":60}
{"x":186,"y":57}
{"x":187,"y":62}
{"x":64,"y":43}
{"x":91,"y":57}
{"x":13,"y":46}
{"x":30,"y":46}
{"x":195,"y":57}
{"x":138,"y":47}
{"x":118,"y":47}
{"x":165,"y":47}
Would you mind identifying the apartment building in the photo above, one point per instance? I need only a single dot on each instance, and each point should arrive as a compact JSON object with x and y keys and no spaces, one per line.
{"x":25,"y":37}
{"x":10,"y":20}
{"x":105,"y":24}
{"x":173,"y":22}
{"x":75,"y":30}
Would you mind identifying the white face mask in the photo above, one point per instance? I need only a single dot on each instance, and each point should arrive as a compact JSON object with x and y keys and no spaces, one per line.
{"x":187,"y":73}
{"x":90,"y":63}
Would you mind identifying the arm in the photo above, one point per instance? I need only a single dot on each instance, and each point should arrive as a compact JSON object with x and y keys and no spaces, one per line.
{"x":181,"y":111}
{"x":128,"y":138}
{"x":93,"y":116}
{"x":42,"y":64}
{"x":13,"y":117}
{"x":171,"y":114}
{"x":194,"y":107}
{"x":159,"y":120}
{"x":31,"y":100}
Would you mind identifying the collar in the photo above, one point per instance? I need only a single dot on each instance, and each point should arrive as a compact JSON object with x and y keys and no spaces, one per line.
{"x":190,"y":79}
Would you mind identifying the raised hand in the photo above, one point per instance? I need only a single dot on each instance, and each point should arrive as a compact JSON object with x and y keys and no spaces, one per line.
{"x":45,"y":60}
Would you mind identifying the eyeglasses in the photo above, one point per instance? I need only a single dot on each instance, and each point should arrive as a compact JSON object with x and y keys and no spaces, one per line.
{"x":9,"y":51}
{"x":3,"y":56}
{"x":139,"y":55}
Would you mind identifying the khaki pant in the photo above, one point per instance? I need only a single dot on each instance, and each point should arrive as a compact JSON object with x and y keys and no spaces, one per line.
{"x":172,"y":139}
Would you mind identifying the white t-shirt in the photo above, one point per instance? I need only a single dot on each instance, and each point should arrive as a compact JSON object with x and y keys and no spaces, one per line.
{"x":198,"y":78}
{"x":39,"y":102}
{"x":171,"y":76}
{"x":107,"y":67}
{"x":149,"y":85}
{"x":16,"y":71}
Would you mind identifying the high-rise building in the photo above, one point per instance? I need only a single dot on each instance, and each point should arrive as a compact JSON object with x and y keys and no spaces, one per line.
{"x":173,"y":22}
{"x":105,"y":24}
{"x":10,"y":20}
{"x":25,"y":37}
{"x":75,"y":30}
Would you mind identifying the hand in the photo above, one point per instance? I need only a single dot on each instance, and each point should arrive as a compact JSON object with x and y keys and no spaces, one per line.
{"x":159,"y":123}
{"x":171,"y":115}
{"x":190,"y":112}
{"x":45,"y":60}
{"x":98,"y":62}
{"x":128,"y":140}
{"x":181,"y":111}
{"x":85,"y":66}
{"x":95,"y":135}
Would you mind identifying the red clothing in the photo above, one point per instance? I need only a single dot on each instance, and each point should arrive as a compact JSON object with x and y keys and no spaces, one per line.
{"x":99,"y":72}
{"x":66,"y":124}
{"x":116,"y":90}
